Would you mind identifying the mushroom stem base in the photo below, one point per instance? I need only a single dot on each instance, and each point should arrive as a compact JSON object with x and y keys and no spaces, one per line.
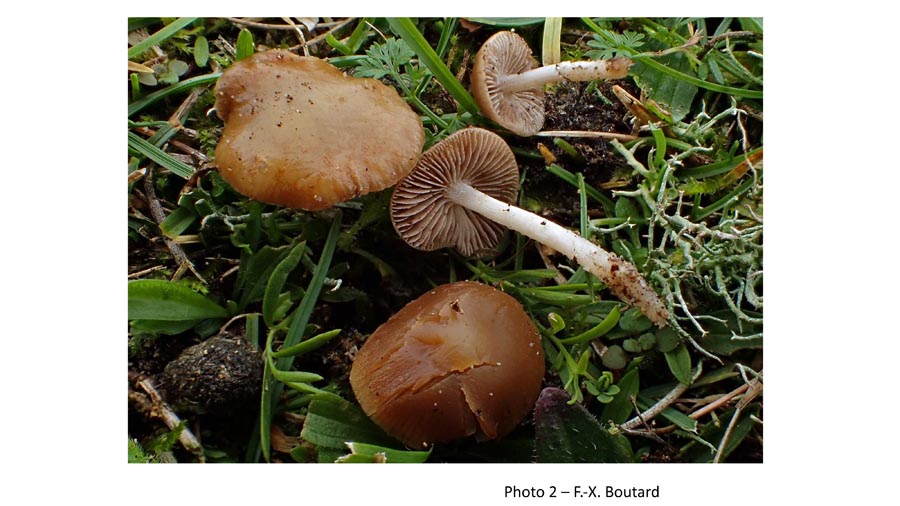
{"x":622,"y":277}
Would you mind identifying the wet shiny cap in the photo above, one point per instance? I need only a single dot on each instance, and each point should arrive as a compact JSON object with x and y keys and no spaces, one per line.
{"x":521,"y":112}
{"x":426,"y":219}
{"x":301,"y":133}
{"x":463,"y":359}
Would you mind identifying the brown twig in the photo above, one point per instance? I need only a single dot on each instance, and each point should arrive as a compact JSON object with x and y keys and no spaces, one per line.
{"x":257,"y":24}
{"x":156,"y":407}
{"x":145,"y":271}
{"x":159,"y":216}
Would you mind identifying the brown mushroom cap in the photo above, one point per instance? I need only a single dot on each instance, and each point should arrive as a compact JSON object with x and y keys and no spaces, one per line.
{"x":427,"y":220}
{"x":462,"y":359}
{"x":521,"y":112}
{"x":300,"y":133}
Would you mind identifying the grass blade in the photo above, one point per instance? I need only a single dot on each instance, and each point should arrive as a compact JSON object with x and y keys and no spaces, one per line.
{"x":159,"y":156}
{"x":700,"y":83}
{"x":187,"y":84}
{"x":550,"y":49}
{"x":406,"y":30}
{"x":163,"y":34}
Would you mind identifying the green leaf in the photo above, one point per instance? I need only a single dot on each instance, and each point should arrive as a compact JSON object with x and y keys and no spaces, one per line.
{"x":155,"y":299}
{"x":177,"y":222}
{"x":201,"y":51}
{"x":155,"y":327}
{"x":159,"y":156}
{"x":666,"y":340}
{"x":332,"y":422}
{"x":620,"y":408}
{"x":244,"y":46}
{"x":254,"y":274}
{"x":568,"y":433}
{"x":308,"y":345}
{"x":139,"y":105}
{"x":598,"y":330}
{"x":615,"y":357}
{"x":679,"y":361}
{"x":677,"y":94}
{"x":271,"y":297}
{"x":634,"y":321}
{"x":362,"y":452}
{"x":550,"y":43}
{"x":158,"y":37}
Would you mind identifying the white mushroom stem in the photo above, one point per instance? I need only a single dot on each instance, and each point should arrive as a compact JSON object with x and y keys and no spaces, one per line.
{"x":616,"y":68}
{"x":619,"y":275}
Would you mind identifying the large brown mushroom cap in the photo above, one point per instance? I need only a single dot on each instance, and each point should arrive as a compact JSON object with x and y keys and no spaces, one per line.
{"x":423,"y":215}
{"x":300,"y":133}
{"x":521,"y":112}
{"x":462,"y":359}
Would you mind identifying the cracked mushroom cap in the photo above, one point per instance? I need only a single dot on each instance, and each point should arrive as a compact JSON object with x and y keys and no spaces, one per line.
{"x":463,"y":359}
{"x":300,"y":133}
{"x":426,"y":219}
{"x":521,"y":112}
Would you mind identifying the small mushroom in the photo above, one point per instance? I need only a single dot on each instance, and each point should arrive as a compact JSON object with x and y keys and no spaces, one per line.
{"x":509,"y":88}
{"x":461,"y":192}
{"x":463,"y":359}
{"x":301,"y":133}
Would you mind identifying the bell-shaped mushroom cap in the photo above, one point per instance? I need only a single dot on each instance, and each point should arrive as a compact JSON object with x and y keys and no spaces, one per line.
{"x":423,"y":215}
{"x":521,"y":112}
{"x":301,"y":133}
{"x":462,"y":359}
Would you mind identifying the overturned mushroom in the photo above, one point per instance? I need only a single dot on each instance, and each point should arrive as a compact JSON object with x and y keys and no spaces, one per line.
{"x":463,"y":359}
{"x":300,"y":133}
{"x":461,"y":190}
{"x":509,"y":88}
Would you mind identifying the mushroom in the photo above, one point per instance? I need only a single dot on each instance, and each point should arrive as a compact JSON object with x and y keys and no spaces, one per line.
{"x":301,"y":133}
{"x":460,"y":193}
{"x":463,"y":359}
{"x":509,"y":88}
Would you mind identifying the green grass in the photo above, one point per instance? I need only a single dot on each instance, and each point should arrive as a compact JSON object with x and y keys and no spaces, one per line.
{"x":308,"y":287}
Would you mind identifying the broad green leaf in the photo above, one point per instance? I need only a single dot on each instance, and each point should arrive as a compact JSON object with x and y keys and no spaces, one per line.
{"x":201,"y":51}
{"x":620,"y":408}
{"x":362,"y":452}
{"x":331,"y":422}
{"x":721,"y":338}
{"x":244,"y":47}
{"x":680,"y":419}
{"x":614,"y":358}
{"x":666,"y":340}
{"x":155,"y":299}
{"x":254,"y":274}
{"x":713,"y":432}
{"x":634,"y":321}
{"x":567,"y":433}
{"x":169,"y":328}
{"x":677,"y":95}
{"x":177,"y":222}
{"x":679,"y":361}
